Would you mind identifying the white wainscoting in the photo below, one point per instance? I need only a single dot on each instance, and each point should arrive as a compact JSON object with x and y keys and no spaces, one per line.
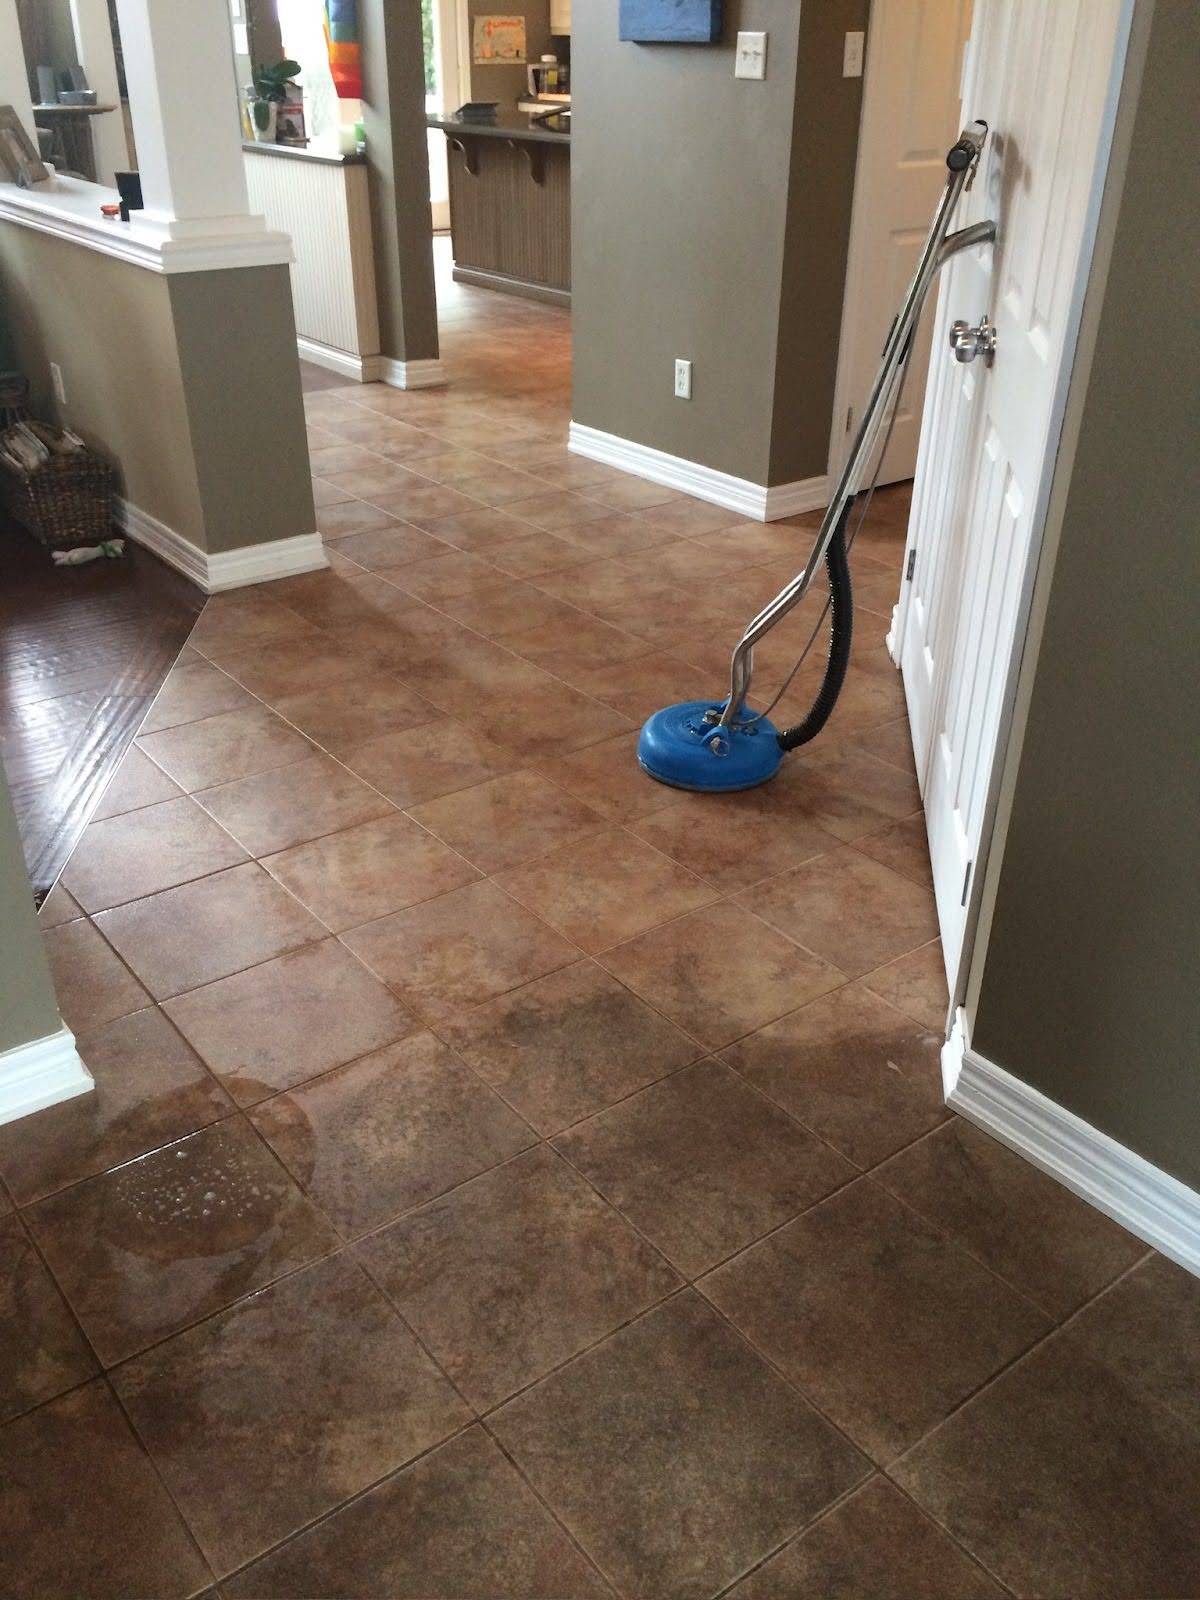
{"x":324,"y":206}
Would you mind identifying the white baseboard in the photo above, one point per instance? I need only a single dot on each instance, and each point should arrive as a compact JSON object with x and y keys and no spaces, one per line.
{"x":411,"y":374}
{"x":756,"y":500}
{"x":228,"y":569}
{"x":40,"y":1074}
{"x":359,"y":369}
{"x":1141,"y":1197}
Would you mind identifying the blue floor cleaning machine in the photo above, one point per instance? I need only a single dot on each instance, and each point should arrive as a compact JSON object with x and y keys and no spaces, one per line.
{"x":721,"y":746}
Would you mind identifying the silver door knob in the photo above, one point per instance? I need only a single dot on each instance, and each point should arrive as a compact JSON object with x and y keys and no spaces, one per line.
{"x":968,"y":342}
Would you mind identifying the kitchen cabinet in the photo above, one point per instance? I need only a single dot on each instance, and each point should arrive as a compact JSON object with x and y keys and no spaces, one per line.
{"x":560,"y":16}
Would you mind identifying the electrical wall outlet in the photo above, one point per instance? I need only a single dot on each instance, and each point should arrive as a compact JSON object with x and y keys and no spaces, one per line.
{"x":751,"y":58}
{"x":56,"y":380}
{"x":852,"y":55}
{"x":683,"y":380}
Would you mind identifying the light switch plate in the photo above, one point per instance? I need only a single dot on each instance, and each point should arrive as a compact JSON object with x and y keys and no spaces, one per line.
{"x":852,"y":55}
{"x":751,"y":60}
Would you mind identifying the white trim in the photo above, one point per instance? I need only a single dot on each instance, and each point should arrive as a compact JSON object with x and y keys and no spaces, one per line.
{"x":748,"y":499}
{"x":69,"y":208}
{"x":360,"y":369}
{"x":1141,"y":1197}
{"x":40,"y":1074}
{"x":411,"y":374}
{"x":228,"y":569}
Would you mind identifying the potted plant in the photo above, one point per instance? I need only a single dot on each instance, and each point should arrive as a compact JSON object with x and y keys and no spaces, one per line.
{"x":271,"y":84}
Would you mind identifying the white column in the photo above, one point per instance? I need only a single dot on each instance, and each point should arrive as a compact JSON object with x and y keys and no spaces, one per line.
{"x":94,"y":52}
{"x":182,"y":99}
{"x":14,"y":77}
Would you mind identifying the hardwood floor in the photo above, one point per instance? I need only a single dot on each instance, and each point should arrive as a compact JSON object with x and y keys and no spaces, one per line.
{"x":83,"y":651}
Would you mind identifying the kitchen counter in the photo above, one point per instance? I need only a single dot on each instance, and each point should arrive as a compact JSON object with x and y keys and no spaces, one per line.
{"x":329,"y":155}
{"x":505,"y":125}
{"x":510,"y":204}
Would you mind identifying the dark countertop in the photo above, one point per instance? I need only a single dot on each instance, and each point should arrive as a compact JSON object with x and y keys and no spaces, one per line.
{"x":505,"y":125}
{"x":302,"y":152}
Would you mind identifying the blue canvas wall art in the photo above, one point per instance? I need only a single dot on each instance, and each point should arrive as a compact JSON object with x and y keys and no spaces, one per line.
{"x":671,"y":21}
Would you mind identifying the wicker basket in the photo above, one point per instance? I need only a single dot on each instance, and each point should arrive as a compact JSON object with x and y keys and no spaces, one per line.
{"x":63,"y":502}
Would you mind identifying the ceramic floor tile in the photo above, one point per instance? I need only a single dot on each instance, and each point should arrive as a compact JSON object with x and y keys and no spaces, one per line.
{"x":311,"y":660}
{"x":157,"y":1244}
{"x":728,"y":846}
{"x":446,"y":577}
{"x":535,"y":552}
{"x":92,"y":983}
{"x":891,"y":743}
{"x":702,"y":1164}
{"x":512,"y":1274}
{"x":149,"y":1089}
{"x":650,"y":1448}
{"x":568,"y":1045}
{"x":575,"y":644}
{"x":128,"y":857}
{"x":558,"y":510}
{"x":424,"y":504}
{"x":1028,"y":1229}
{"x":364,"y":873}
{"x":508,"y":820}
{"x":848,"y":910}
{"x":458,"y":1522}
{"x":291,"y":805}
{"x":278,"y":1024}
{"x":639,"y":687}
{"x":249,"y":616}
{"x":882,"y":1321}
{"x":390,"y":1131}
{"x":857,"y":1072}
{"x":82,"y":1511}
{"x":505,"y":606}
{"x":1146,"y":1329}
{"x":448,"y":954}
{"x":188,"y":936}
{"x":916,"y":985}
{"x":692,"y":519}
{"x":136,"y":783}
{"x":58,"y":908}
{"x":1064,"y":1482}
{"x":234,"y":744}
{"x":42,"y":1351}
{"x":341,"y":717}
{"x":608,"y":778}
{"x":380,"y":549}
{"x":479,"y":528}
{"x":904,"y":847}
{"x":435,"y":759}
{"x":339,"y":521}
{"x":874,"y":1546}
{"x":843,"y":790}
{"x":280,"y":1408}
{"x":192,"y":692}
{"x":720,"y":973}
{"x":605,"y":888}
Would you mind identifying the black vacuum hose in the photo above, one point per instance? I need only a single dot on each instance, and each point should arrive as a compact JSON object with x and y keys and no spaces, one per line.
{"x":841,"y":633}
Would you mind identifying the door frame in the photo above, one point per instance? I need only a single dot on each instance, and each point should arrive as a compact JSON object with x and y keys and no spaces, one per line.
{"x":1091,"y":260}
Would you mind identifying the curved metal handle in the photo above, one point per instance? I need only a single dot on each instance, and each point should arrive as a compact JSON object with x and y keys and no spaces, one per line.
{"x":967,"y":342}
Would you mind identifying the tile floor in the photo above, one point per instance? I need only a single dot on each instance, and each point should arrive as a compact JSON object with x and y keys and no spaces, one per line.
{"x":509,"y":1178}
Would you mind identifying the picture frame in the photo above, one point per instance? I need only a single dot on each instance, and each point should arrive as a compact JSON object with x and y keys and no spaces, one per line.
{"x":671,"y":21}
{"x":19,"y":159}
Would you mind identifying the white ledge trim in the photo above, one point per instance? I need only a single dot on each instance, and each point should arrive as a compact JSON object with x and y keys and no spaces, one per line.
{"x":761,"y":502}
{"x":40,"y":1074}
{"x":1116,"y":1180}
{"x":228,"y":569}
{"x":69,"y":208}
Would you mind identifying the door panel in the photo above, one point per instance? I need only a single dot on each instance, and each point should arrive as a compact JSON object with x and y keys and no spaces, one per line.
{"x":1040,"y":75}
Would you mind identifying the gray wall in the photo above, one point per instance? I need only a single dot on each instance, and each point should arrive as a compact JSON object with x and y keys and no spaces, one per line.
{"x":710,"y":221}
{"x":1090,"y":989}
{"x":28,"y":1009}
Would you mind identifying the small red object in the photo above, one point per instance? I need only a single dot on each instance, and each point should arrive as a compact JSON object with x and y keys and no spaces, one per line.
{"x":110,"y":210}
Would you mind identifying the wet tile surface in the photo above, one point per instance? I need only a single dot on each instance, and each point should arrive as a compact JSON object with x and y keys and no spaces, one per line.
{"x":42,"y":1351}
{"x":650,"y":1449}
{"x":290,"y":805}
{"x":880,"y":1319}
{"x":387,"y":1132}
{"x":125,"y":858}
{"x":91,"y":981}
{"x":155,"y":1245}
{"x":508,"y":820}
{"x":511,"y":1274}
{"x":277,"y":1410}
{"x":458,"y":1522}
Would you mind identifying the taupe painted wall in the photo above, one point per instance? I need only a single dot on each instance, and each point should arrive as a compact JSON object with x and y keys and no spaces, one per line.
{"x":509,"y":84}
{"x":710,"y":222}
{"x":28,"y":1009}
{"x":190,"y":383}
{"x":398,"y":171}
{"x":1090,"y":987}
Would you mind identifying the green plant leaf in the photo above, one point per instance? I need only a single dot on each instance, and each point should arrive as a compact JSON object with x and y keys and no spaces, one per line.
{"x":262,"y":115}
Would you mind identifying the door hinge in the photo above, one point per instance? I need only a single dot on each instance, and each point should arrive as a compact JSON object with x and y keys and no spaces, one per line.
{"x":966,"y":883}
{"x":912,"y":561}
{"x":849,"y":418}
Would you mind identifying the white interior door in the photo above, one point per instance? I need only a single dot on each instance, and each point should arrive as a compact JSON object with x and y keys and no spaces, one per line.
{"x":443,"y":92}
{"x":1043,"y":74}
{"x":910,"y":119}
